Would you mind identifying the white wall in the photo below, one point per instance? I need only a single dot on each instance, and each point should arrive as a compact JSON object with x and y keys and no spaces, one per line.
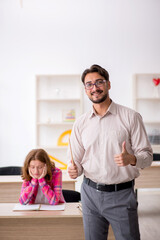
{"x":67,"y":36}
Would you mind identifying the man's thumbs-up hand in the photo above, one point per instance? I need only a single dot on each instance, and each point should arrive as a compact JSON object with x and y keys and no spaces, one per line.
{"x":124,"y":158}
{"x":124,"y":147}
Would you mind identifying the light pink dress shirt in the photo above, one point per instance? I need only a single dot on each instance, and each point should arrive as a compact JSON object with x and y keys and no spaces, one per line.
{"x":95,"y":140}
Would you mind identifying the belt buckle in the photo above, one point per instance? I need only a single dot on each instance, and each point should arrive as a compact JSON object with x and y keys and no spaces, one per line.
{"x":97,"y":187}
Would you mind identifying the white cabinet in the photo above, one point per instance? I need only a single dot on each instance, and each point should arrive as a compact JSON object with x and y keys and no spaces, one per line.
{"x":146,"y":101}
{"x":59,"y":101}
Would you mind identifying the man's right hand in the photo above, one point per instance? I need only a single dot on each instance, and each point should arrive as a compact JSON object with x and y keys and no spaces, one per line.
{"x":72,"y":171}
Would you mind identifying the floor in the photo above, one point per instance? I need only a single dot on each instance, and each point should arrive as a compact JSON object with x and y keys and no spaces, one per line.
{"x":149,"y":213}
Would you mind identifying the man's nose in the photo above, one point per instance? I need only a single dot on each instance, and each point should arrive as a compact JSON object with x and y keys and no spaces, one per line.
{"x":94,"y":87}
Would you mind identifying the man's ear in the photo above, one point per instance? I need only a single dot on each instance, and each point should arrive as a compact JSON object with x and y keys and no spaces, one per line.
{"x":108,"y":85}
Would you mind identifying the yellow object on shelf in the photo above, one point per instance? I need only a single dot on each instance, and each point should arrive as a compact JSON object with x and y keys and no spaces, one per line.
{"x":60,"y":139}
{"x":57,"y":160}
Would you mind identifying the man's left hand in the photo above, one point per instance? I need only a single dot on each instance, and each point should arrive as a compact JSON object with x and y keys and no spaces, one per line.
{"x":124,"y":158}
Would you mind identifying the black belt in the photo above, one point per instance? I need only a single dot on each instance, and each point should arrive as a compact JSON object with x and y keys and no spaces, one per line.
{"x":109,"y":188}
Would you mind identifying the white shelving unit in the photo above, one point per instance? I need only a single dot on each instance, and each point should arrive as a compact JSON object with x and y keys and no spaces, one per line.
{"x":56,"y":95}
{"x":146,"y":101}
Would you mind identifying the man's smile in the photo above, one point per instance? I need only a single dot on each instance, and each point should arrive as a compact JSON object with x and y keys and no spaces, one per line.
{"x":96,"y":93}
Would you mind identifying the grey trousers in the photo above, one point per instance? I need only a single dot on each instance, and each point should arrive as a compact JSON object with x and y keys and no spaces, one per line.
{"x":103,"y":208}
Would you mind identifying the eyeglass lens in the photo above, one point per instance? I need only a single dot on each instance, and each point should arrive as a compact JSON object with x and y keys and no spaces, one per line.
{"x":98,"y":83}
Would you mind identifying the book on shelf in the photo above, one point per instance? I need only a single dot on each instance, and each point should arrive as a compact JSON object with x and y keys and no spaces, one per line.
{"x":68,"y":115}
{"x":39,"y":207}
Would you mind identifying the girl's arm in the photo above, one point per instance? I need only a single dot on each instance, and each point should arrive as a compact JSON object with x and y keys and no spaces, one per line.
{"x":54,"y":195}
{"x":28,"y":191}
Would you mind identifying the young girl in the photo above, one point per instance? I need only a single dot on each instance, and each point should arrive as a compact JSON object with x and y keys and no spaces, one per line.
{"x":42,"y":180}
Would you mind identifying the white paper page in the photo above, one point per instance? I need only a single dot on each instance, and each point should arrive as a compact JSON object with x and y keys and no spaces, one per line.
{"x":28,"y":207}
{"x":52,"y":207}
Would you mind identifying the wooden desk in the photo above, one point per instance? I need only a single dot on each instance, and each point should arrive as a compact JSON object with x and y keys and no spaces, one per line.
{"x":149,"y":177}
{"x":41,"y":225}
{"x":10,"y":187}
{"x":67,"y":182}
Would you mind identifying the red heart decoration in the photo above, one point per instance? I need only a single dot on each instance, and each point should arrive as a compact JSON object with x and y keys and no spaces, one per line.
{"x":156,"y":81}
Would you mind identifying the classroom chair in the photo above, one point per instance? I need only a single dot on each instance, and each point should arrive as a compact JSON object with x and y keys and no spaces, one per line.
{"x":156,"y":156}
{"x":10,"y":170}
{"x":71,"y":195}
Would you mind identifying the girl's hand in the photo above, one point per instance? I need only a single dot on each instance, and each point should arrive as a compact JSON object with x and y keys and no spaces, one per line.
{"x":30,"y":173}
{"x":44,"y":172}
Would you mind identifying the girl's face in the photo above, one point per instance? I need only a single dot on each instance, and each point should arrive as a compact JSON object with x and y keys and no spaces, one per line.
{"x":36,"y":167}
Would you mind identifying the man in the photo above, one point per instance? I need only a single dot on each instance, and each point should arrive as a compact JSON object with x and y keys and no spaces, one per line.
{"x":109,"y":145}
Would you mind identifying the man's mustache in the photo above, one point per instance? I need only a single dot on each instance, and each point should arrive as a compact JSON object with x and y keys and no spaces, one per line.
{"x":97,"y":91}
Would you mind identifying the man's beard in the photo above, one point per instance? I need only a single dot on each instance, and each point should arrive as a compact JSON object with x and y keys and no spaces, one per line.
{"x":101,"y":99}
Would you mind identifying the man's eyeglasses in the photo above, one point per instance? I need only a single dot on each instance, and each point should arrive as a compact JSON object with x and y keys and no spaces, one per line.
{"x":98,"y":83}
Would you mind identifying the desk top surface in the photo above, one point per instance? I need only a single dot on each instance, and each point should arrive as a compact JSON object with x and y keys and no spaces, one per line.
{"x":155,"y":164}
{"x":17,"y":178}
{"x":71,"y":211}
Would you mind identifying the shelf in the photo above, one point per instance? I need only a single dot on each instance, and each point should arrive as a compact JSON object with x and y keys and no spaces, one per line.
{"x":58,"y":99}
{"x":144,"y":86}
{"x":59,"y":102}
{"x":151,"y":122}
{"x":146,"y":100}
{"x":53,"y":147}
{"x":56,"y":124}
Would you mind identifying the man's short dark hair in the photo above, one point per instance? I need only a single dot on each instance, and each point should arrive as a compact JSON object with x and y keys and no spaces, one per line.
{"x":95,"y":68}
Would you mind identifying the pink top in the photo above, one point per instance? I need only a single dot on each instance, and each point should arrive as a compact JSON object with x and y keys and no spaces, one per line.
{"x":52,"y":190}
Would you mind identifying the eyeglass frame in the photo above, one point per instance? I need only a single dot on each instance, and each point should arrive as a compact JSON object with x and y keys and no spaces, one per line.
{"x":103,"y":80}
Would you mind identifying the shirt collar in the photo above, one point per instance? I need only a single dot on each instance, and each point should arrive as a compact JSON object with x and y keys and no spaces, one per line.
{"x":112,"y":109}
{"x":92,"y":113}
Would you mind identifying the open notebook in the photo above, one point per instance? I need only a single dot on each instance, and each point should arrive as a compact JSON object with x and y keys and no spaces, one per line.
{"x":33,"y":207}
